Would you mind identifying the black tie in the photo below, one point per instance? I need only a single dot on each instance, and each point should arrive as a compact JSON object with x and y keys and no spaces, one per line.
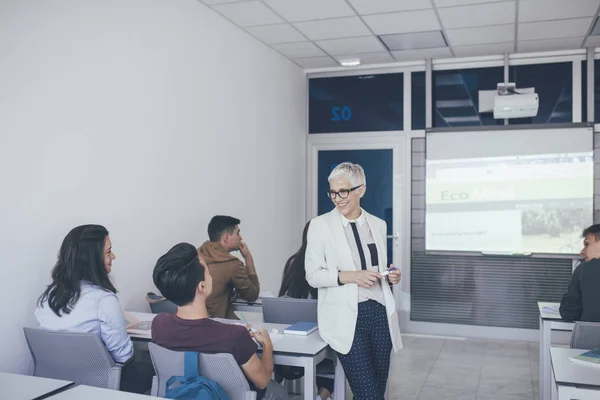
{"x":361,"y":253}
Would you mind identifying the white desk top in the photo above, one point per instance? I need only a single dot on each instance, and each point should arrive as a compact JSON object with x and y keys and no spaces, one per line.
{"x":94,"y":393}
{"x":288,"y":344}
{"x":545,"y":314}
{"x":26,"y":387}
{"x":568,"y":373}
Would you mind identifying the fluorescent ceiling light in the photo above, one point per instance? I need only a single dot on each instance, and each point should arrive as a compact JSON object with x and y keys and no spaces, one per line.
{"x":350,"y":62}
{"x":414,"y":41}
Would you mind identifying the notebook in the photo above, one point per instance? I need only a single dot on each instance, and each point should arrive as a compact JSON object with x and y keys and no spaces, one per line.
{"x":591,"y":357}
{"x":301,"y":328}
{"x":550,"y":310}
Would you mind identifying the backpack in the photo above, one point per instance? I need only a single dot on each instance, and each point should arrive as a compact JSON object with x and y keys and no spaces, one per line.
{"x":192,"y":386}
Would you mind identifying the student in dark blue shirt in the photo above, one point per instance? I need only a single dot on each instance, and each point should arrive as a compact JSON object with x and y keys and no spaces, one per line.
{"x":582,"y":300}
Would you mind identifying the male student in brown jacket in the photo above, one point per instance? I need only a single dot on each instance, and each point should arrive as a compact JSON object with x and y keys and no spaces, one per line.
{"x":228,"y":272}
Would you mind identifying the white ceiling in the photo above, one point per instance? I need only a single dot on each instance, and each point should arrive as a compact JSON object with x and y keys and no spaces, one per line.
{"x":320,"y":33}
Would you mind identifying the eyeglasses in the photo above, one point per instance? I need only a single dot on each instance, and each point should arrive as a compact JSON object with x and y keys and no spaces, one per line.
{"x":343,"y":193}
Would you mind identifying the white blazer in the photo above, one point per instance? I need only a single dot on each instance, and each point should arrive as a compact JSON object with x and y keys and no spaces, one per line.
{"x":327,"y":254}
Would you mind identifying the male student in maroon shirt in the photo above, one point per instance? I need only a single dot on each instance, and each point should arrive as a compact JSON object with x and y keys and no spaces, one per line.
{"x":183,"y":277}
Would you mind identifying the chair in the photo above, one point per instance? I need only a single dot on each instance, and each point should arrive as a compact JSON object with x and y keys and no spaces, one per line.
{"x":159,"y":304}
{"x":221,"y":368}
{"x":80,"y":357}
{"x":586,"y":335}
{"x":286,"y":310}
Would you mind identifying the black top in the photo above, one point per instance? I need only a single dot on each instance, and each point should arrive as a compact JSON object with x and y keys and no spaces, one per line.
{"x":582,"y":300}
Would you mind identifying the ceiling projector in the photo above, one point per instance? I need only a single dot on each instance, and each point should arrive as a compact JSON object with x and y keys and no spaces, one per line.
{"x":510,"y":103}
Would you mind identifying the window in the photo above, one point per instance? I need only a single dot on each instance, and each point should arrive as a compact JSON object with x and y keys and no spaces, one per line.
{"x":456,"y":96}
{"x":365,"y":103}
{"x":418,"y":100}
{"x":554,"y":85}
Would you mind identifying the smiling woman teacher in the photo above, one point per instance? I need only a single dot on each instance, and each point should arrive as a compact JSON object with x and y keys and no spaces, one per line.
{"x":345,"y":259}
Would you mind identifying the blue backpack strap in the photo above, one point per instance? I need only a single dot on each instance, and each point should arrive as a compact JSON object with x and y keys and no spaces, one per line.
{"x":190,"y":365}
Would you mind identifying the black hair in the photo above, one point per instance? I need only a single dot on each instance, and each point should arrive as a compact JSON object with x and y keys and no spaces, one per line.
{"x":80,"y":258}
{"x":592,"y":230}
{"x":177,"y":274}
{"x":219,"y":224}
{"x":294,"y":282}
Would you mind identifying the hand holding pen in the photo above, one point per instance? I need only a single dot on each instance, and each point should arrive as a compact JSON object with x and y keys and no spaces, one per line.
{"x":394,"y":275}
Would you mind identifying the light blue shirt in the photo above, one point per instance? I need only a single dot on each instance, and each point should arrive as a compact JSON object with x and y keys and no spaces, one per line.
{"x":97,"y":311}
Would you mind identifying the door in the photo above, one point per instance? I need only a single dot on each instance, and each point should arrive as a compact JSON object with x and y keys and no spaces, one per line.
{"x":383,"y":159}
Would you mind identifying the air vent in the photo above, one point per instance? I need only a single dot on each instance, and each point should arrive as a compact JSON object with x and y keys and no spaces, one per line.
{"x":414,"y":41}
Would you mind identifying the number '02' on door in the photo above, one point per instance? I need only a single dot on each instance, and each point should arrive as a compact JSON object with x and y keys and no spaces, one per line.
{"x":341,"y":113}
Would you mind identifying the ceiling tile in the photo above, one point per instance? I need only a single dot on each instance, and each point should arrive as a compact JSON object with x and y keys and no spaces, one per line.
{"x":478,"y":15}
{"x":386,"y":6}
{"x":273,"y":34}
{"x":248,"y":13}
{"x":299,"y":50}
{"x":221,"y":1}
{"x":484,"y":49}
{"x":333,"y":28}
{"x":592,"y":41}
{"x":543,"y":10}
{"x":306,"y":10}
{"x":410,"y":21}
{"x":452,"y":3}
{"x":367,"y":44}
{"x":369,"y":58}
{"x":531,"y":46}
{"x":409,"y":55}
{"x":316,"y":62}
{"x":554,"y":29}
{"x":482,"y":35}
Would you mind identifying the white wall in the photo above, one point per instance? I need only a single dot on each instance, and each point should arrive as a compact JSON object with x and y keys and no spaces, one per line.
{"x":146,"y":116}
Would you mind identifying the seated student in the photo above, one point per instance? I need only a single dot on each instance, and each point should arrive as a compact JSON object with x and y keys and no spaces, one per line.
{"x":582,"y":300}
{"x":227,"y":271}
{"x":294,"y":285}
{"x":82,"y":298}
{"x":183,"y":278}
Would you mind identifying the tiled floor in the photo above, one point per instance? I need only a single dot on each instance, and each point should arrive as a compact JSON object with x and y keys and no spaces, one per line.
{"x":444,"y":369}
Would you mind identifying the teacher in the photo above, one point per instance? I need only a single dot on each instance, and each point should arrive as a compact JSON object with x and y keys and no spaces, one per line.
{"x":345,"y":257}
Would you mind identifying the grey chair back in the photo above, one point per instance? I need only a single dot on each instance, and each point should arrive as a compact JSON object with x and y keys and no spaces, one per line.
{"x":221,"y":368}
{"x":286,"y":310}
{"x":72,"y":356}
{"x":159,"y":304}
{"x":585,"y":335}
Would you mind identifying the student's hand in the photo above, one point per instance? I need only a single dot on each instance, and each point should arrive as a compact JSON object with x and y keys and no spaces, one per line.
{"x":394,"y":276}
{"x":263,"y":338}
{"x":366,"y":278}
{"x":244,"y":250}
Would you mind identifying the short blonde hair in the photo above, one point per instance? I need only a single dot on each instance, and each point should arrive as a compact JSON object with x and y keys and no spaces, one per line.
{"x":353,"y":172}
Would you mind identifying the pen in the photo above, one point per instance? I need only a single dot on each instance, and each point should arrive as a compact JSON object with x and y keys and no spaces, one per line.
{"x":245,"y":320}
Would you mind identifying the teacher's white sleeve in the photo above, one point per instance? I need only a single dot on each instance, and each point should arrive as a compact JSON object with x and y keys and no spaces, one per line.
{"x":317,"y":273}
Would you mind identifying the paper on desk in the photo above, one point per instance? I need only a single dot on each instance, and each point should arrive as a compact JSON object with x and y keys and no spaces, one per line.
{"x":134,"y":323}
{"x":266,"y":294}
{"x":550,"y":310}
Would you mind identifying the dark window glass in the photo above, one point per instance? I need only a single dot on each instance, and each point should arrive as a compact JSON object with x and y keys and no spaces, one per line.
{"x":584,"y":91}
{"x":364,"y":103}
{"x":597,"y":90}
{"x":418,"y":100}
{"x":456,"y":96}
{"x":554,"y":85}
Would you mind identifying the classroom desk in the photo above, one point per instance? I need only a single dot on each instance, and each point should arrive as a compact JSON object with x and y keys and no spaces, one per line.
{"x":289,"y":350}
{"x":93,"y":393}
{"x":572,"y":380}
{"x":27,"y":387}
{"x":549,"y":322}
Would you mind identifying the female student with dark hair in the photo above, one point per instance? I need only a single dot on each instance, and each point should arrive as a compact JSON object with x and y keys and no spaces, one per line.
{"x":82,"y":298}
{"x":294,"y":285}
